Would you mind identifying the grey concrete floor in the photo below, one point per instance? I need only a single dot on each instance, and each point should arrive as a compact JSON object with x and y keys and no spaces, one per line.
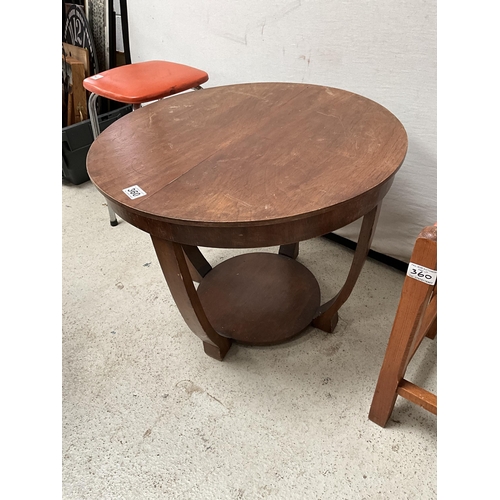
{"x":146,"y":414}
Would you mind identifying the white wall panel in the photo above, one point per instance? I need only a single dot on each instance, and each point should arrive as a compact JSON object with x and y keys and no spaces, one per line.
{"x":384,"y":50}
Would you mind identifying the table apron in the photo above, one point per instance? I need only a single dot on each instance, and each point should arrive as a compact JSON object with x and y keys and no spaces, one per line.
{"x":255,"y":235}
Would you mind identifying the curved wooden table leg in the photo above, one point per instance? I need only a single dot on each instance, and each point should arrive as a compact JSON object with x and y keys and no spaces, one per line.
{"x":176,"y":271}
{"x":198,"y":265}
{"x":291,"y":250}
{"x":327,"y":317}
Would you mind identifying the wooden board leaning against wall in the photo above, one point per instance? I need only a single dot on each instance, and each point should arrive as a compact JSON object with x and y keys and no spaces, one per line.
{"x":75,"y":68}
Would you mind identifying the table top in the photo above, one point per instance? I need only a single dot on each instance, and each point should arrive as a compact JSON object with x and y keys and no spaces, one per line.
{"x":251,"y":154}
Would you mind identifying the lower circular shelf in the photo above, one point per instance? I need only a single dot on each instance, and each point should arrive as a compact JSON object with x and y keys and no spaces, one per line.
{"x":259,"y":298}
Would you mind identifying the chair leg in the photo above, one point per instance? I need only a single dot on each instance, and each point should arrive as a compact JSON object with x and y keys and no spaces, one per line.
{"x":94,"y":120}
{"x":410,"y":320}
{"x":112,"y":217}
{"x":94,"y":123}
{"x":400,"y":350}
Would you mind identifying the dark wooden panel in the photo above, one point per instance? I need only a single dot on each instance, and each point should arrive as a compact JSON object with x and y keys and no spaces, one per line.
{"x":259,"y":298}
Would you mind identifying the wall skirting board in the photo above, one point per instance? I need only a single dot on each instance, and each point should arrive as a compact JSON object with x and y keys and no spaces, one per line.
{"x":372,"y":254}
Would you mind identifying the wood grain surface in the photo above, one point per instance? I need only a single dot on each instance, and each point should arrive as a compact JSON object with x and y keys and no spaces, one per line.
{"x":259,"y":298}
{"x":300,"y":159}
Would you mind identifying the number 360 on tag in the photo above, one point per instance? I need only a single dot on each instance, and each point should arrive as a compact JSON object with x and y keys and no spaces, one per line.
{"x":422,"y":273}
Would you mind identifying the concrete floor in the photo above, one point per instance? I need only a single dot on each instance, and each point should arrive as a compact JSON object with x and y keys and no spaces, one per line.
{"x":146,"y":414}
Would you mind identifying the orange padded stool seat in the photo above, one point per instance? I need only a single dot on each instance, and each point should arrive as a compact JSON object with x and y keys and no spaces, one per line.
{"x":144,"y":81}
{"x":137,"y":84}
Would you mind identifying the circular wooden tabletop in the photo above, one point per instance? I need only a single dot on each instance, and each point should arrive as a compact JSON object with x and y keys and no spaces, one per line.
{"x":248,"y":156}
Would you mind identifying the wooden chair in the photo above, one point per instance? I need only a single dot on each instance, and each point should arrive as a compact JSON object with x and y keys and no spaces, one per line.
{"x":416,"y":318}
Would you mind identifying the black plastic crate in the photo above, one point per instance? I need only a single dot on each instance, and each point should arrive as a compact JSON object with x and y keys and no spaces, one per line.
{"x":76,"y":141}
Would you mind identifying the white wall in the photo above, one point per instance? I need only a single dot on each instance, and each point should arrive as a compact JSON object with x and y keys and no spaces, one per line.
{"x":382,"y":49}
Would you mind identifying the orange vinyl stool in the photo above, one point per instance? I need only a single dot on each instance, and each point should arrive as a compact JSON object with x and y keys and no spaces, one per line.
{"x":416,"y":318}
{"x":139,"y":83}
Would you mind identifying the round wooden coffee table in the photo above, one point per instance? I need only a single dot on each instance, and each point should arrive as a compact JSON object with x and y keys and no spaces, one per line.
{"x":250,"y":166}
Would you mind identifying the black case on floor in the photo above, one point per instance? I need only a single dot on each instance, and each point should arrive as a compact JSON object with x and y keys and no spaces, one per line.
{"x":76,"y":141}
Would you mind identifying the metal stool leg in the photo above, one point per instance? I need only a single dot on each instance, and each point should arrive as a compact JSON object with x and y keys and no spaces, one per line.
{"x":94,"y":123}
{"x":112,"y":217}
